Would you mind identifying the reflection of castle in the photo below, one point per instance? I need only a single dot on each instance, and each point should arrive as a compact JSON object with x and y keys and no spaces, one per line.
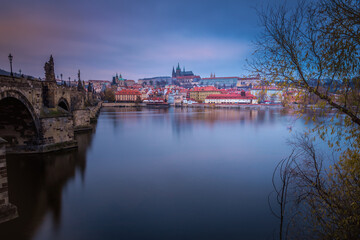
{"x":179,"y":73}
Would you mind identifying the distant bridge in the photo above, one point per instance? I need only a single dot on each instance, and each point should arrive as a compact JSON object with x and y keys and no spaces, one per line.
{"x":40,"y":116}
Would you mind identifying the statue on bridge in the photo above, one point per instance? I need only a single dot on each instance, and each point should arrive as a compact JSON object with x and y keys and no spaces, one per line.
{"x":49,"y":70}
{"x":80,"y":86}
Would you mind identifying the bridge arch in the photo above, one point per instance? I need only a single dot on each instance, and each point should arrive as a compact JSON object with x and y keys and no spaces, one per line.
{"x":64,"y":104}
{"x":19,"y":123}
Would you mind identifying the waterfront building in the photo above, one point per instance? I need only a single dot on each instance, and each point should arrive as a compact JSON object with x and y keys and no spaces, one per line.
{"x":99,"y":85}
{"x":219,"y":82}
{"x":178,"y":99}
{"x":230,"y":82}
{"x":154,"y":100}
{"x":199,"y":94}
{"x":242,"y":98}
{"x":189,"y":101}
{"x":271,"y":94}
{"x":255,"y":80}
{"x":127,"y":95}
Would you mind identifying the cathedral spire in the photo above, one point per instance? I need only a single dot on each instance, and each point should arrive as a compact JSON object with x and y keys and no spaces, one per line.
{"x":173,"y":72}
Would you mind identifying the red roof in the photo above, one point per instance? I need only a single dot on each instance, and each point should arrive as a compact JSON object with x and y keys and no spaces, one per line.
{"x":128,"y":92}
{"x":204,"y":89}
{"x":265,"y":88}
{"x":231,"y":96}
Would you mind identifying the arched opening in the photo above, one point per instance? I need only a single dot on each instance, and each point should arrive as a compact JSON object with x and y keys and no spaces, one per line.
{"x":64,"y":105}
{"x":17,"y":125}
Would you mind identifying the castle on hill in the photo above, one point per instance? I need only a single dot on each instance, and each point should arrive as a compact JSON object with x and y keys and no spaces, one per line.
{"x":179,"y":73}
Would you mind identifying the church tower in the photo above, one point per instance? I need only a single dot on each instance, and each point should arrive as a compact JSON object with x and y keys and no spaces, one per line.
{"x":173,"y":73}
{"x":178,"y":71}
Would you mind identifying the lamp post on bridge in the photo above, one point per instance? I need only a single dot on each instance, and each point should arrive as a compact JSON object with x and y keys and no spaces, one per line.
{"x":10,"y":59}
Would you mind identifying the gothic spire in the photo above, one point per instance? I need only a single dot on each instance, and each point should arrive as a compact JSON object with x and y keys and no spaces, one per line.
{"x":49,"y":70}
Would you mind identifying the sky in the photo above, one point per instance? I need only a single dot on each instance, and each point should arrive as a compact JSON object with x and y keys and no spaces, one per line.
{"x":135,"y":38}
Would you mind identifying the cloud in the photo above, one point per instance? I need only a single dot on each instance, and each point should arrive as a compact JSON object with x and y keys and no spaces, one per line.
{"x":101,"y":42}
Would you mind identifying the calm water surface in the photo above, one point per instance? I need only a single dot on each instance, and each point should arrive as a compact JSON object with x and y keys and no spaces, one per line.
{"x":154,"y":174}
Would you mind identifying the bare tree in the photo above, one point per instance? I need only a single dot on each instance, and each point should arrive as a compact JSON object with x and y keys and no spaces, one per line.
{"x":281,"y":181}
{"x":314,"y":49}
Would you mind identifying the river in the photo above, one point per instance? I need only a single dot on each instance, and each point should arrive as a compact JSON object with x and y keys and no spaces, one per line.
{"x":154,"y":174}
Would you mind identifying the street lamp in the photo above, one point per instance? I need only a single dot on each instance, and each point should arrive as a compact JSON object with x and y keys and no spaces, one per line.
{"x":10,"y":59}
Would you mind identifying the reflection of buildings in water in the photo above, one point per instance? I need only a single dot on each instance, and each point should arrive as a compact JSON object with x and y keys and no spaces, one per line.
{"x":179,"y":122}
{"x":36,"y":183}
{"x":211,"y":116}
{"x":184,"y":119}
{"x":131,"y":113}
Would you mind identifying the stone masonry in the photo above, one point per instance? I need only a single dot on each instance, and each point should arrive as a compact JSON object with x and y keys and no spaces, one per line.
{"x":7,"y":210}
{"x":41,"y":123}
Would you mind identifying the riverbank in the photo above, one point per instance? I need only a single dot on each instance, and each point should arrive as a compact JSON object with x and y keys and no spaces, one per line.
{"x":202,"y":105}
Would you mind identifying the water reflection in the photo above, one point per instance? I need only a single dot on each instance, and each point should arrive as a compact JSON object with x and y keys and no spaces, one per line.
{"x":36,"y":184}
{"x":185,"y":119}
{"x":154,"y":174}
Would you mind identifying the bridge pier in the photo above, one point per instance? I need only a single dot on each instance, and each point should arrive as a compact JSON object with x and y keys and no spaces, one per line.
{"x":82,"y":119}
{"x":7,"y":210}
{"x":56,"y":133}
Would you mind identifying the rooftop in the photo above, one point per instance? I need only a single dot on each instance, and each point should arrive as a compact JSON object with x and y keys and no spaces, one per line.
{"x":128,"y":92}
{"x":204,"y":89}
{"x":231,"y":96}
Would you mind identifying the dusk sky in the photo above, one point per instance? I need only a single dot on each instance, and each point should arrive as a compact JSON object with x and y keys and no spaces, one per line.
{"x":137,"y":38}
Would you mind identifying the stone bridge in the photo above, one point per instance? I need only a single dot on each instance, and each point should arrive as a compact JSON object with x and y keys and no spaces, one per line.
{"x":40,"y":116}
